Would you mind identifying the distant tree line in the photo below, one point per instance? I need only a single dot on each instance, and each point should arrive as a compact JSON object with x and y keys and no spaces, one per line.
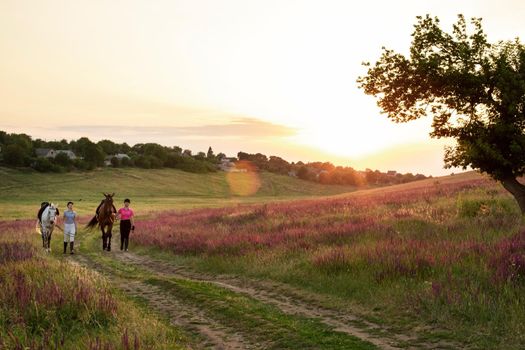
{"x":325,"y":172}
{"x":19,"y":150}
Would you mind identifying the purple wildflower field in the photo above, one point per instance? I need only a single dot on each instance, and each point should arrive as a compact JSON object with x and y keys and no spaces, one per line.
{"x":433,"y":250}
{"x":304,"y":224}
{"x":349,"y":231}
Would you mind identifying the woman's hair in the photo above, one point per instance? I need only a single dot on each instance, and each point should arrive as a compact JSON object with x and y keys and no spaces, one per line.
{"x":127,"y":200}
{"x":68,"y":203}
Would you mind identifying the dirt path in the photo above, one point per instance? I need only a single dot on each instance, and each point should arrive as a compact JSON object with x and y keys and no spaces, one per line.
{"x":212,"y":334}
{"x":283,"y":297}
{"x":215,"y":335}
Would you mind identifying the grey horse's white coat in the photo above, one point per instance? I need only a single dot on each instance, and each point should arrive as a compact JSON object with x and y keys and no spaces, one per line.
{"x":47,"y":225}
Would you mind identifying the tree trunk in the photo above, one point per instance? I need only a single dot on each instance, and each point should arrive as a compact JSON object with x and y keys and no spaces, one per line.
{"x":517,"y":189}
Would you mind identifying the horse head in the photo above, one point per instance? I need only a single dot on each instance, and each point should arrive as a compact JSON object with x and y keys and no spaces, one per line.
{"x":109,"y":197}
{"x":107,"y":207}
{"x":50,"y":214}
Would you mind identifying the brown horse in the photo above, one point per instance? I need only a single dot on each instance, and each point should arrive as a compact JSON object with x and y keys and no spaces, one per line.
{"x":104,"y":217}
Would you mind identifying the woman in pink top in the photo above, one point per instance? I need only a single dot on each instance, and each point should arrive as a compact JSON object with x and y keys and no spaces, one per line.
{"x":127,"y":224}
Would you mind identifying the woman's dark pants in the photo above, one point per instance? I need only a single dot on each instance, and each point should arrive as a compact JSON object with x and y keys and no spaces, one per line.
{"x":125,"y":228}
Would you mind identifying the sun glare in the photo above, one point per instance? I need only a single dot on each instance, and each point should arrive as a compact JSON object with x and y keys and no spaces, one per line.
{"x":244,"y":183}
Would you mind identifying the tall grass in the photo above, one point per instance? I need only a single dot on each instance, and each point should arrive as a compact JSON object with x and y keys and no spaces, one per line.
{"x":50,"y":304}
{"x":300,"y":224}
{"x":450,"y":255}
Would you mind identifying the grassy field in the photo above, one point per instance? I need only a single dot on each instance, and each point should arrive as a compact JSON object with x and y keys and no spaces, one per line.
{"x":118,"y":320}
{"x":441,"y":258}
{"x":150,"y":190}
{"x":48,"y":303}
{"x":438,"y":263}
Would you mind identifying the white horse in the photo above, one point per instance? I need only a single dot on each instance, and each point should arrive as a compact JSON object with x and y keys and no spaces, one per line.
{"x":47,"y":225}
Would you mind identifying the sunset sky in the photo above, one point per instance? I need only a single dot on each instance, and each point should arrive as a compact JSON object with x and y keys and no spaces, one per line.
{"x":276,"y":77}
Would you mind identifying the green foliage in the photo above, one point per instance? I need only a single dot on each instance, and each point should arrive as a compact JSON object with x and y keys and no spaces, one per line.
{"x":45,"y":165}
{"x":62,"y":159}
{"x":16,"y":155}
{"x":157,"y":151}
{"x":79,"y":146}
{"x":23,"y":140}
{"x":200,"y":156}
{"x":155,"y":156}
{"x":474,"y":90}
{"x":93,"y":154}
{"x":142,"y":162}
{"x":109,"y":147}
{"x":259,"y":160}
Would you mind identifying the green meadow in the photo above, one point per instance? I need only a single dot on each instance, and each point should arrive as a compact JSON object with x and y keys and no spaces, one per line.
{"x":149,"y":190}
{"x":437,"y":263}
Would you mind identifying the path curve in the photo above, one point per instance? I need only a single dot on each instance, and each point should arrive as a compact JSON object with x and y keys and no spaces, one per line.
{"x":279,"y":295}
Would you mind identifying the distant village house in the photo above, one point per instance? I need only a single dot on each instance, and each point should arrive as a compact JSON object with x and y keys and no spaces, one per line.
{"x":228,"y":165}
{"x":52,"y":153}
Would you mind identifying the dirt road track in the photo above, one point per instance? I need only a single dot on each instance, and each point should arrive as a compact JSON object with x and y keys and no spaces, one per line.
{"x":215,"y":335}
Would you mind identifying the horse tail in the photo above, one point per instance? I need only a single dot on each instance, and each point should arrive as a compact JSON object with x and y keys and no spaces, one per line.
{"x":92,"y":223}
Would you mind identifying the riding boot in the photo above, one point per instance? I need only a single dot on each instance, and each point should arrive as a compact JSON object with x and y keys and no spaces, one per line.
{"x":72,"y":247}
{"x":65,"y":247}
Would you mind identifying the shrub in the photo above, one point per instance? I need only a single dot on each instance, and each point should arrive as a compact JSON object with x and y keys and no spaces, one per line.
{"x":43,"y":165}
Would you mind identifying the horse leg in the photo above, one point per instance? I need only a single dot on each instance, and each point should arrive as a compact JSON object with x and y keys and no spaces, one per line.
{"x":110,"y":226}
{"x":49,"y":242}
{"x":44,"y":240}
{"x":104,"y":238}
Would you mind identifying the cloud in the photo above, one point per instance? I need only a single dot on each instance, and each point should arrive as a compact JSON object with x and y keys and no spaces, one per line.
{"x":238,"y":128}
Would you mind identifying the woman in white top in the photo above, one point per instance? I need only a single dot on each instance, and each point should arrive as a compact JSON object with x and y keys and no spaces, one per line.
{"x":70,"y":227}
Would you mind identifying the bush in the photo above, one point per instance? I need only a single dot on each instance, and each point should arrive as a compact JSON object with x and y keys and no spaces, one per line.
{"x":142,"y":162}
{"x":62,"y":159}
{"x":44,"y":165}
{"x":125,"y":162}
{"x":16,"y":155}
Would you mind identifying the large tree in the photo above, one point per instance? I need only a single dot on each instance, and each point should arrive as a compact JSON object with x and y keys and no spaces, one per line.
{"x":473,"y":90}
